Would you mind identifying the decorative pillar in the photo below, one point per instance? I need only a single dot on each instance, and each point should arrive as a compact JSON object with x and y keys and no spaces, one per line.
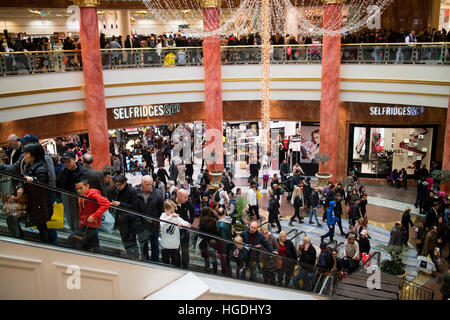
{"x":435,"y":13}
{"x":124,"y":21}
{"x":213,"y":86}
{"x":329,"y":104}
{"x":445,"y":185}
{"x":93,"y":83}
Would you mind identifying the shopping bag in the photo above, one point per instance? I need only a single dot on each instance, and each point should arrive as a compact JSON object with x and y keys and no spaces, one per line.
{"x":258,"y":195}
{"x":107,"y":222}
{"x":425,"y":264}
{"x":57,"y":220}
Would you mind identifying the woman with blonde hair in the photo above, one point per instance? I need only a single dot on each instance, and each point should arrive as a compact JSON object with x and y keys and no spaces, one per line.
{"x":297,"y":202}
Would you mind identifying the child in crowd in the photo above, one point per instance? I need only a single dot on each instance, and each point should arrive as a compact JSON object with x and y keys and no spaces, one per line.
{"x":240,"y":256}
{"x":170,"y":234}
{"x":90,"y":217}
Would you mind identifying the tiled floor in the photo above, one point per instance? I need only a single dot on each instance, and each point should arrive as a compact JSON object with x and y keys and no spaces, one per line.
{"x":386,"y":205}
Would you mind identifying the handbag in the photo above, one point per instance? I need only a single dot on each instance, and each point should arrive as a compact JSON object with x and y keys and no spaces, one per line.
{"x":108,"y":222}
{"x":16,"y":208}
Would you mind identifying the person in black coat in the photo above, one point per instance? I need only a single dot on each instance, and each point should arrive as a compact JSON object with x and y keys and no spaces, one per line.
{"x":274,"y":210}
{"x":38,"y":198}
{"x":406,"y":223}
{"x":431,"y":217}
{"x":162,"y":174}
{"x":66,"y":180}
{"x":96,"y":179}
{"x":149,"y":203}
{"x":186,"y":211}
{"x":126,"y":197}
{"x":256,"y":240}
{"x":14,"y":149}
{"x":338,"y":212}
{"x":364,"y":243}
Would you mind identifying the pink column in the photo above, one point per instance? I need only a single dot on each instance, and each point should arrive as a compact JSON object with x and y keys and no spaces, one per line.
{"x":93,"y":87}
{"x":329,"y":105}
{"x":445,"y":186}
{"x":213,"y":87}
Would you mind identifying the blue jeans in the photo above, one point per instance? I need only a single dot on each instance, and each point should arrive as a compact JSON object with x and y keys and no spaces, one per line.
{"x":150,"y":232}
{"x":313,"y":213}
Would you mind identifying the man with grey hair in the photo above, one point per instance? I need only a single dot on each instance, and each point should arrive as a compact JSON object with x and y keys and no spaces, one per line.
{"x":186,"y":211}
{"x":14,"y":149}
{"x":150,"y":203}
{"x":95,"y":177}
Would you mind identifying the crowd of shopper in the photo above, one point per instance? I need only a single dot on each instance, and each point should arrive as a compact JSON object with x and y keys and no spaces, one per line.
{"x":155,"y":217}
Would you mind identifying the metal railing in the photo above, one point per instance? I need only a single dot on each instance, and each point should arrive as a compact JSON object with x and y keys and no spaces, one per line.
{"x":31,"y":62}
{"x":412,"y":291}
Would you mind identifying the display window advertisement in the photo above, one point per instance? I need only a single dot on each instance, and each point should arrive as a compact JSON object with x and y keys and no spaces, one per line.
{"x":377,"y":150}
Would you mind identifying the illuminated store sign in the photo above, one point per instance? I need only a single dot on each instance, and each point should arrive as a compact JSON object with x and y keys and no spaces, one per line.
{"x":396,"y":111}
{"x":146,"y":111}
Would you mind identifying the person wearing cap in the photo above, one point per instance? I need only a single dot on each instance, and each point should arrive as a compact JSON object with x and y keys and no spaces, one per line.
{"x":364,"y":243}
{"x":73,"y":172}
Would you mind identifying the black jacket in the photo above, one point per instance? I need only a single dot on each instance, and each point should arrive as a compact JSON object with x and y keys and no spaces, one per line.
{"x":308,"y":259}
{"x":364,"y":245}
{"x":154,"y":207}
{"x":314,"y":199}
{"x":39,"y":200}
{"x":128,"y":200}
{"x":66,"y":179}
{"x":186,"y":211}
{"x":96,"y":180}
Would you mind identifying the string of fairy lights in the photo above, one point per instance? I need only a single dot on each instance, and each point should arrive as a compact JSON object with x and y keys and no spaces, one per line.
{"x":246,"y":17}
{"x":267,"y":17}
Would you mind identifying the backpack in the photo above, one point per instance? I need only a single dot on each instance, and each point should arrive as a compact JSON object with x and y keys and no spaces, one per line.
{"x":217,"y":196}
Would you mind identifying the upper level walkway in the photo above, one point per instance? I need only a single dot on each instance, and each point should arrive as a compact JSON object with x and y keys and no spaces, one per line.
{"x":61,"y":61}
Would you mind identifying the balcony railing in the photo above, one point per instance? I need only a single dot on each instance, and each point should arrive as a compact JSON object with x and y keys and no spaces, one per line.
{"x":31,"y":62}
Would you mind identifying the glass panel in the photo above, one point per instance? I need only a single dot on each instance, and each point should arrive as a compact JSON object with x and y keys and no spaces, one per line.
{"x":349,"y":54}
{"x":72,"y":61}
{"x":429,"y":54}
{"x":315,"y":53}
{"x":195,"y":56}
{"x":43,"y":62}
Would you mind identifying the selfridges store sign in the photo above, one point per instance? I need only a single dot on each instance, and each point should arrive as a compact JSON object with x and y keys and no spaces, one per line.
{"x":396,"y":111}
{"x":146,"y":111}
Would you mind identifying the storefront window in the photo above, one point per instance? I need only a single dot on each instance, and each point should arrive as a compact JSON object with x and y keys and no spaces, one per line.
{"x":376,"y":151}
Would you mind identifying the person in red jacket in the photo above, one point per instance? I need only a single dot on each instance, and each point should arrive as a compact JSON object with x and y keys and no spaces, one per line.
{"x":90,"y":216}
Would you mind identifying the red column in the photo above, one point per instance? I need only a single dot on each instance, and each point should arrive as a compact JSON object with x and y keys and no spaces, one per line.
{"x":93,"y":87}
{"x":445,"y":186}
{"x":213,"y":88}
{"x":329,"y":105}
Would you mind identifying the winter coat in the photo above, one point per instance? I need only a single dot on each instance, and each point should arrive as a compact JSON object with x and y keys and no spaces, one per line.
{"x":39,"y":200}
{"x":331,"y":218}
{"x":153,"y":208}
{"x":258,"y":239}
{"x":269,"y":261}
{"x":66,"y":179}
{"x":396,"y":237}
{"x":128,"y":200}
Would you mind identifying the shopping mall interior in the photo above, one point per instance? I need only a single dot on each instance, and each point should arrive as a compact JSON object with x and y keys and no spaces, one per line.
{"x":210,"y":149}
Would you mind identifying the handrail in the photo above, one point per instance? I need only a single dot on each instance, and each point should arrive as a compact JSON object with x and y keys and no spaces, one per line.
{"x":410,"y":290}
{"x":240,"y":47}
{"x":297,"y":234}
{"x":45,"y":186}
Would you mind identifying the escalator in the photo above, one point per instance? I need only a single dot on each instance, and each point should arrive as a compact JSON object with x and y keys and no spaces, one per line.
{"x":112,"y":247}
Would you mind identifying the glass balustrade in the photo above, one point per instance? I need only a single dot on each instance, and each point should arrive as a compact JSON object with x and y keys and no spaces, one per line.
{"x":126,"y":232}
{"x":15,"y":63}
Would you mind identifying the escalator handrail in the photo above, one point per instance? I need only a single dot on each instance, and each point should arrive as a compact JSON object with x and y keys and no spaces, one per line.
{"x":205,"y":234}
